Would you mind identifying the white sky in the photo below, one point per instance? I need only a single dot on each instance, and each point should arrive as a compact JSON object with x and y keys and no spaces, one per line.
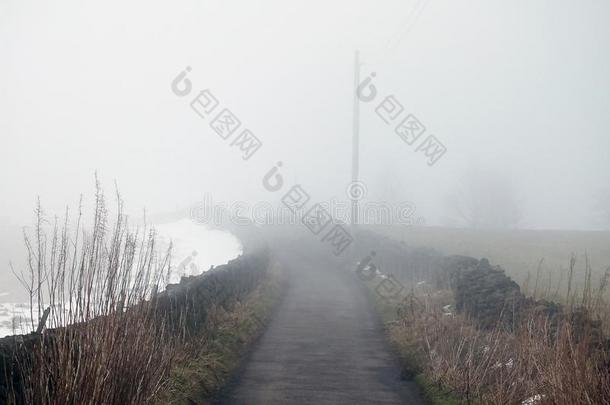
{"x":518,"y":87}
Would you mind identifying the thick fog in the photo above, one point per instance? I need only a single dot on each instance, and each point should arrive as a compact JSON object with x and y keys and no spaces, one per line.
{"x":517,"y":92}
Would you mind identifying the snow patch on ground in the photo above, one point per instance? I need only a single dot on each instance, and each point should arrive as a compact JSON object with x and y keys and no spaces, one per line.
{"x":195,"y":249}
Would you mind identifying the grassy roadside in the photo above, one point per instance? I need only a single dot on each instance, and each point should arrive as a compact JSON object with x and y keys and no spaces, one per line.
{"x":207,"y":365}
{"x":411,"y":359}
{"x":457,"y":360}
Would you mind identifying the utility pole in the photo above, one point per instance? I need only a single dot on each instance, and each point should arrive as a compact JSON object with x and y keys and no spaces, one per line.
{"x":356,"y":138}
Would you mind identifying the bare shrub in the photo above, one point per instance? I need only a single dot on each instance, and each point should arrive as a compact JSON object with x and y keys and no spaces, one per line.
{"x":106,"y":345}
{"x":554,"y":361}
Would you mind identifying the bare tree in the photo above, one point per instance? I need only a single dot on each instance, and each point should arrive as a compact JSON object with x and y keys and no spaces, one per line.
{"x":602,"y":208}
{"x":484,"y":200}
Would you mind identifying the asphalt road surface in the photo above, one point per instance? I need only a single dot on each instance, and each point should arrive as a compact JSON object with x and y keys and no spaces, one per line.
{"x":324,"y":344}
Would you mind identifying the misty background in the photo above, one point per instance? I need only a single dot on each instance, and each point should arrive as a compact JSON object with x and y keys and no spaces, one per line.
{"x":518,"y":92}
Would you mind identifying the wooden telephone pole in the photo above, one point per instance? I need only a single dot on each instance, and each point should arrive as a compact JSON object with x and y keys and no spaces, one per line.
{"x":356,"y":139}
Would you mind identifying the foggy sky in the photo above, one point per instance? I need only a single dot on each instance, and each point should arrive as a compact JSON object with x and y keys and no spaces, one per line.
{"x":518,"y":88}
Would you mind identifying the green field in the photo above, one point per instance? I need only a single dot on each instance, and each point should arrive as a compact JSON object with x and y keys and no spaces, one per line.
{"x":519,"y":252}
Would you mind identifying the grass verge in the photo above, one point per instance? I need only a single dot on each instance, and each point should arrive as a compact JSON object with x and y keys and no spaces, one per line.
{"x":411,"y":359}
{"x":207,"y":364}
{"x":454,"y":361}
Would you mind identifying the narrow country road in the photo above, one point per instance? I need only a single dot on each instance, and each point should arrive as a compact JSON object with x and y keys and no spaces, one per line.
{"x":324,"y":344}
